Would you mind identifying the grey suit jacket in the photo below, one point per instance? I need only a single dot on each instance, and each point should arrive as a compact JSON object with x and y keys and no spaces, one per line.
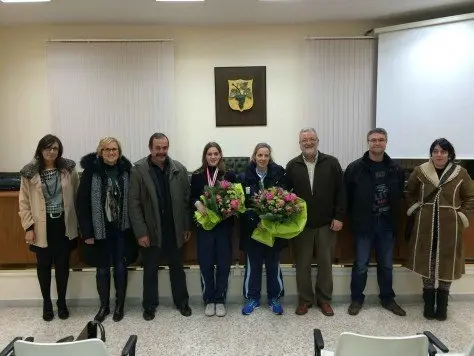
{"x":144,"y":206}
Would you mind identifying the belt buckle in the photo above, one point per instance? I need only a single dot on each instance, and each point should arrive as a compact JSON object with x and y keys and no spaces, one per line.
{"x":55,"y":216}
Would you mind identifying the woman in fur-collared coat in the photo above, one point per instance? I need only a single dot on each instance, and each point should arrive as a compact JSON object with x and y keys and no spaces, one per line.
{"x":47,"y":212}
{"x":102,"y":208}
{"x":440,"y":194}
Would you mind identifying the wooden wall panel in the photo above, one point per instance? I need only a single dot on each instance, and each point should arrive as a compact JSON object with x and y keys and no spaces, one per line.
{"x":14,"y":251}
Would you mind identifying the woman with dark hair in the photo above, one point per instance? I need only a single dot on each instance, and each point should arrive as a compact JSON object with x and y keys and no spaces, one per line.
{"x":47,"y":212}
{"x":440,"y":195}
{"x":213,"y":246}
{"x":262,"y":173}
{"x":102,"y":208}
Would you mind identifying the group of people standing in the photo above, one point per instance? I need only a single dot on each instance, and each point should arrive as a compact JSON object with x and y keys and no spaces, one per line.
{"x":120,"y":208}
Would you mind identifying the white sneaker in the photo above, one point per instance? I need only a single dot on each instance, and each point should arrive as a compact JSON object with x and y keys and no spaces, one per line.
{"x":210,"y":309}
{"x":220,"y":310}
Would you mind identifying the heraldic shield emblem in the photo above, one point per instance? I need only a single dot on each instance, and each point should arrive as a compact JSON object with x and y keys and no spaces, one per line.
{"x":240,"y":94}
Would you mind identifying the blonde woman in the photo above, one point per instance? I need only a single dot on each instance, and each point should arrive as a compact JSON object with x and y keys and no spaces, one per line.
{"x":47,"y":195}
{"x":102,"y":206}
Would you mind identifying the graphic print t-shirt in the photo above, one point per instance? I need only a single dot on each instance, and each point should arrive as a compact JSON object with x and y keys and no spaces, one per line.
{"x":381,"y":205}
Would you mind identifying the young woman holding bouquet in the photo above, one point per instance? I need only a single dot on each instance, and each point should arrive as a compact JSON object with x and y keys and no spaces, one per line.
{"x":262,"y":173}
{"x":214,"y":246}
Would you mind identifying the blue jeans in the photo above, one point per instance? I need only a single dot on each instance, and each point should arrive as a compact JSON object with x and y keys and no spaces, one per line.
{"x":383,"y":239}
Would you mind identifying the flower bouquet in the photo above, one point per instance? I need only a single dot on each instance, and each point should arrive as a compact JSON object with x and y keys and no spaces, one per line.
{"x":223,"y":200}
{"x":282,"y":215}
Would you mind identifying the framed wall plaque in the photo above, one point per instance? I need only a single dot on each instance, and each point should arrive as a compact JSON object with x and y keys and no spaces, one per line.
{"x":241,"y":96}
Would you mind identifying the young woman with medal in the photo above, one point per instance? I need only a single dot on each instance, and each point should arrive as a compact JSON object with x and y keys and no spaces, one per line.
{"x":214,"y":247}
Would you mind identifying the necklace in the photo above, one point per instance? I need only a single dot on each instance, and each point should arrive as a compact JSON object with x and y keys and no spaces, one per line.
{"x":45,"y":181}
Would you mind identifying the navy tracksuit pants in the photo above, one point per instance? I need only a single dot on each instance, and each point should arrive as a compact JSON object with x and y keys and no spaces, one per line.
{"x":214,"y":248}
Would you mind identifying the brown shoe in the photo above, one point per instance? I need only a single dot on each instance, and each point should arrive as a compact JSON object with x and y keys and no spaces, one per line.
{"x":325,"y":308}
{"x":302,"y":309}
{"x":354,"y":308}
{"x":394,"y":308}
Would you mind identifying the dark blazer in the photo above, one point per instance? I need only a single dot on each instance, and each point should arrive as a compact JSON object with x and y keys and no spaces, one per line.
{"x":251,"y":185}
{"x":97,"y":255}
{"x":328,"y":199}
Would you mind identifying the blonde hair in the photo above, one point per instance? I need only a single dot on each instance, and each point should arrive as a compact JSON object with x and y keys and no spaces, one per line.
{"x":259,"y":146}
{"x":104,"y":142}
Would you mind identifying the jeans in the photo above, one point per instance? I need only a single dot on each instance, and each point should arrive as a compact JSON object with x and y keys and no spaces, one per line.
{"x":383,"y":239}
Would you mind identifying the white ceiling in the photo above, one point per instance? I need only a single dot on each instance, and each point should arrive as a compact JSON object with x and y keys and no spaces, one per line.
{"x":220,"y":11}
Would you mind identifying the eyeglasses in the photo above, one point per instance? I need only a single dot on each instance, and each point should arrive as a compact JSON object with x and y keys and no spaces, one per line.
{"x":309,"y":140}
{"x":108,"y":150}
{"x":375,"y":140}
{"x":54,"y":149}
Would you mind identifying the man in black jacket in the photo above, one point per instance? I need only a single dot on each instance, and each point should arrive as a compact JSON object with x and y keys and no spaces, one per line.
{"x":374,"y":186}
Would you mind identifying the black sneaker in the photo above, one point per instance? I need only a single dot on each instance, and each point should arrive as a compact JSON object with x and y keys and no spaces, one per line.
{"x":354,"y":308}
{"x":149,"y":314}
{"x":394,"y":308}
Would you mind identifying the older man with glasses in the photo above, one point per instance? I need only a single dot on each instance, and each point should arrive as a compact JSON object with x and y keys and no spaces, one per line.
{"x":318,"y":179}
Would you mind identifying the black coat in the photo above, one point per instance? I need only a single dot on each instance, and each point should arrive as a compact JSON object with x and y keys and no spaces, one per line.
{"x":97,"y":255}
{"x":249,"y":220}
{"x":360,"y":190}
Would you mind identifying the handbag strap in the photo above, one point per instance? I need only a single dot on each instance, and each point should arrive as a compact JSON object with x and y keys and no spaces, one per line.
{"x":441,"y":182}
{"x":101,"y":328}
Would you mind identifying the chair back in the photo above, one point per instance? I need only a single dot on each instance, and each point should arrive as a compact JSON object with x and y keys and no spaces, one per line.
{"x":351,"y":344}
{"x":90,"y":347}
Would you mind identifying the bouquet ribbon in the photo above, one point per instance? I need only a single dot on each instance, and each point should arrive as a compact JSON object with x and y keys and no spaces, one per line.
{"x":267,"y":230}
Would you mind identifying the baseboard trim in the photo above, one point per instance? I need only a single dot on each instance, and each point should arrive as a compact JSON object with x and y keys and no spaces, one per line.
{"x":20,"y":287}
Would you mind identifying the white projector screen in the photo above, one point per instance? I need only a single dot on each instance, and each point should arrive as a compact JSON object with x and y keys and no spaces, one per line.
{"x":425,"y":88}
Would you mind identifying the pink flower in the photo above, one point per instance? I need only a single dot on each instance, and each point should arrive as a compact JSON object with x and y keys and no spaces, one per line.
{"x":224,"y":184}
{"x":290,"y":197}
{"x":234,"y":204}
{"x":269,"y":196}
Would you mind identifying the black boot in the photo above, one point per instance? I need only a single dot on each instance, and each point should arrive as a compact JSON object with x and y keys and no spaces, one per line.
{"x":429,"y":296}
{"x":121,"y":291}
{"x":62,"y":277}
{"x":103,"y":288}
{"x":44,"y":279}
{"x":119,"y":304}
{"x":441,"y":305}
{"x":63,"y":311}
{"x":48,"y":313}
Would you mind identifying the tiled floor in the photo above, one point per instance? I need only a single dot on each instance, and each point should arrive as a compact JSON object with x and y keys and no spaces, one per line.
{"x":259,"y":334}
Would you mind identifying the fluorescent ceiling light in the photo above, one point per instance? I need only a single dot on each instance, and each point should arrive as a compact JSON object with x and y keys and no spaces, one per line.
{"x":25,"y":0}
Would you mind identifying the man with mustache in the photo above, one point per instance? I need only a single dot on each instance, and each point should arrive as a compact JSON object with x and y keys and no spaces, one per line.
{"x":318,"y":179}
{"x":161,"y":220}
